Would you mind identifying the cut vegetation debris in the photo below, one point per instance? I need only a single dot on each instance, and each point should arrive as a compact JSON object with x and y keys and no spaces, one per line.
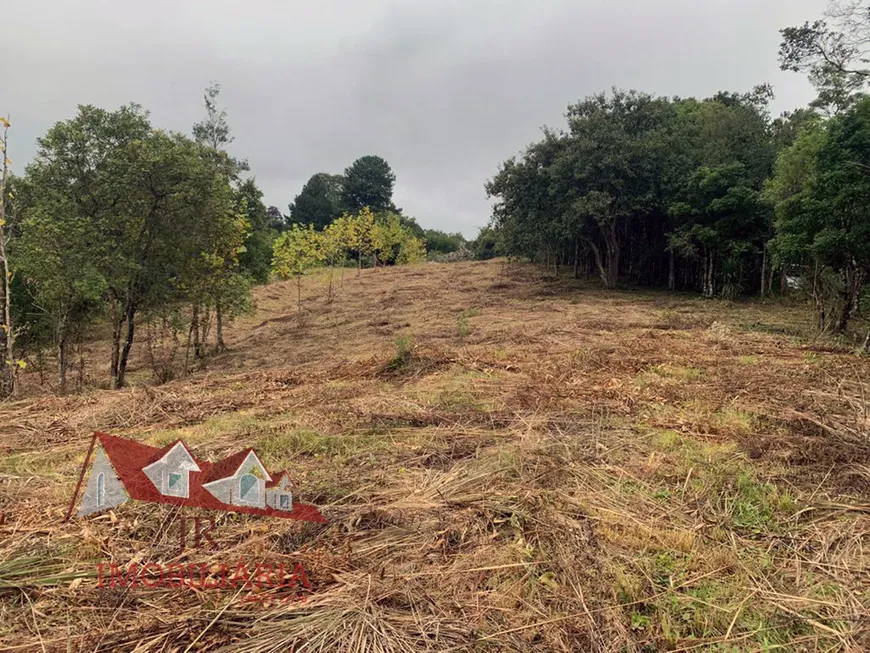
{"x":506,"y":464}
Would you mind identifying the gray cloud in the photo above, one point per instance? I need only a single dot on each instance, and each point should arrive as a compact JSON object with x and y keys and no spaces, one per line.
{"x":444,"y":91}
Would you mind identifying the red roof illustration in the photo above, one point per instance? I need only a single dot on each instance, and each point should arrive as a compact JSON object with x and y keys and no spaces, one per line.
{"x":128,"y":458}
{"x":276,"y":479}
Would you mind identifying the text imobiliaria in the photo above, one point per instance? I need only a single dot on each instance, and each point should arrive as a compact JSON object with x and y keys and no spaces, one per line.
{"x":204,"y":576}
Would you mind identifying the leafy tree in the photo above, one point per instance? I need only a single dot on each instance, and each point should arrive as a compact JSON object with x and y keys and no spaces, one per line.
{"x":645,"y":188}
{"x":333,"y":246}
{"x":486,"y":246}
{"x":440,"y":242}
{"x":55,"y":257}
{"x":411,"y":250}
{"x":78,"y":192}
{"x":213,"y":132}
{"x":368,"y":182}
{"x":319,"y":202}
{"x":167,"y":233}
{"x":296,"y":250}
{"x":255,"y":259}
{"x":833,"y":52}
{"x":411,"y":225}
{"x":722,"y":221}
{"x":788,"y":191}
{"x":363,"y":236}
{"x":387,"y":237}
{"x":823,"y":190}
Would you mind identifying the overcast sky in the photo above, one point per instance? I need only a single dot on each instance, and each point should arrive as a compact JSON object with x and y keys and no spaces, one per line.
{"x":444,"y":90}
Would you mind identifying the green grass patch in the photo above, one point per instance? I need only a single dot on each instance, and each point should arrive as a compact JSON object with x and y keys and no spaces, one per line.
{"x":279,"y":449}
{"x":241,"y":424}
{"x":34,"y":464}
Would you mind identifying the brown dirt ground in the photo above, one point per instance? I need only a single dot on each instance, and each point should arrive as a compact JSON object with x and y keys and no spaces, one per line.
{"x":507,"y":463}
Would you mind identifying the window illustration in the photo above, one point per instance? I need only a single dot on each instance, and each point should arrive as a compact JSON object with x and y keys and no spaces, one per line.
{"x":248,"y":488}
{"x":285,"y":501}
{"x":174,"y":480}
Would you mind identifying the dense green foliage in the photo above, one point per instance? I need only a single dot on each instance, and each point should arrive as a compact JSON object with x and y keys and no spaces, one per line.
{"x":368,"y":182}
{"x":645,"y":189}
{"x":319,"y":202}
{"x":709,"y":195}
{"x":821,"y":191}
{"x":117,"y":220}
{"x":382,"y":238}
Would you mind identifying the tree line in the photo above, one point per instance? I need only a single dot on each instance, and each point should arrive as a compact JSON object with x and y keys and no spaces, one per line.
{"x":118,"y":224}
{"x":117,"y":219}
{"x":712,"y":195}
{"x":381,"y":238}
{"x":367,"y":182}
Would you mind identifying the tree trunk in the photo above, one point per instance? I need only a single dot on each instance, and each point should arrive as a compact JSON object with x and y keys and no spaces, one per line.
{"x":117,"y":325}
{"x":852,"y":282}
{"x":219,"y":316}
{"x":130,"y":315}
{"x":763,"y":270}
{"x":707,"y":276}
{"x":612,"y":247}
{"x":596,"y":253}
{"x":195,"y":331}
{"x":711,"y":283}
{"x":7,"y":334}
{"x":329,"y":294}
{"x":818,"y":298}
{"x":62,"y":356}
{"x":299,"y":295}
{"x":80,"y":380}
{"x":576,"y":258}
{"x":672,"y":281}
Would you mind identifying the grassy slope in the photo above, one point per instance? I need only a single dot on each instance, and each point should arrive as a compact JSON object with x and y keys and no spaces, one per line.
{"x":506,"y":464}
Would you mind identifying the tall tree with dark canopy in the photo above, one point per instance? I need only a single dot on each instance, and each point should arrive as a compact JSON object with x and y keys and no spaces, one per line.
{"x":319,"y":202}
{"x":368,"y":182}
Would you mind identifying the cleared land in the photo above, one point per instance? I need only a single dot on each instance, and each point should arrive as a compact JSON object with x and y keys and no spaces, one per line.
{"x":507,"y":463}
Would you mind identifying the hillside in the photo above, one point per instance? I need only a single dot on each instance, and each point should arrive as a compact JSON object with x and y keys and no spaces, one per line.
{"x":507,"y":463}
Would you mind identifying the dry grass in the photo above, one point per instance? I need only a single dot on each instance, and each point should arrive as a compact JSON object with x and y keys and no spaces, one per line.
{"x":506,"y":463}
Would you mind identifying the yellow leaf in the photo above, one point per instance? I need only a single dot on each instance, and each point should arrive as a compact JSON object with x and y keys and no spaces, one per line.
{"x":2,"y":222}
{"x":22,"y":364}
{"x":8,"y":161}
{"x":5,"y":122}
